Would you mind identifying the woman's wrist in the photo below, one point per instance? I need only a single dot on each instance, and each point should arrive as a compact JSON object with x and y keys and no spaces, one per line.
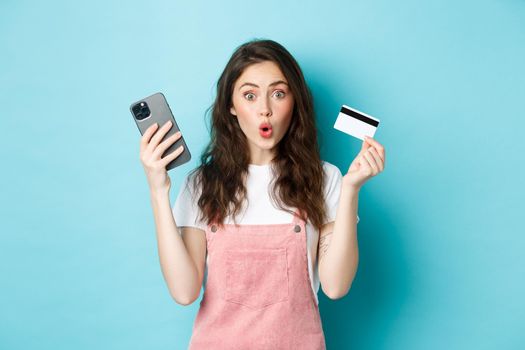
{"x":159,"y":192}
{"x":350,"y":186}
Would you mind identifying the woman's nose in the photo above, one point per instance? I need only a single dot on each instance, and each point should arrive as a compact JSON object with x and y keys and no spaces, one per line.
{"x":265,"y":109}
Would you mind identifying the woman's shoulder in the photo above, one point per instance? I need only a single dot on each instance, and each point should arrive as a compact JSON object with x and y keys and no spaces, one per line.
{"x":332,"y":179}
{"x":331,"y":171}
{"x":189,"y":184}
{"x":190,"y":176}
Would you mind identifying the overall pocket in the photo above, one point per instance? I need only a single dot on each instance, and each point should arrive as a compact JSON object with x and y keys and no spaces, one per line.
{"x":256,"y":278}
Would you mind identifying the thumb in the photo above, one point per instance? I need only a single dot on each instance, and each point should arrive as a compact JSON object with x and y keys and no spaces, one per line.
{"x":364,"y":146}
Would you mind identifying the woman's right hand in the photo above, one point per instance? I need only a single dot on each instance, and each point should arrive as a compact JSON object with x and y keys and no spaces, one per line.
{"x":151,"y":152}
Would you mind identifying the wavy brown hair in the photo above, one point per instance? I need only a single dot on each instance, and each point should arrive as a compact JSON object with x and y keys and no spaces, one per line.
{"x":298,"y":180}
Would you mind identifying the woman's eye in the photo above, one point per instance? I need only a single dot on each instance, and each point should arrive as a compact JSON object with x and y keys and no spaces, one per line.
{"x":249,"y":96}
{"x":279,"y":94}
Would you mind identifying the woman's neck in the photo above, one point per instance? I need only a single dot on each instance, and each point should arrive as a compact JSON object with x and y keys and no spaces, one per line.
{"x":261,"y":156}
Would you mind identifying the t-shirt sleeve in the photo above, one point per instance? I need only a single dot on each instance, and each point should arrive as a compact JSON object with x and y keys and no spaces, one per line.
{"x":332,"y":190}
{"x":186,"y":210}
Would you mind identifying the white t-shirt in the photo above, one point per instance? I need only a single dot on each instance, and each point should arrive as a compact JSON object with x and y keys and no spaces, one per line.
{"x":261,"y":209}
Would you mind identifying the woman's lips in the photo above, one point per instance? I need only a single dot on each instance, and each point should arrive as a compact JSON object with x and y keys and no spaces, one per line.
{"x":265,"y":130}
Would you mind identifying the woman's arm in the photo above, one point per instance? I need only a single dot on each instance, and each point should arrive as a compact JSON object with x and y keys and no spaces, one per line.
{"x":338,"y":250}
{"x":182,"y":263}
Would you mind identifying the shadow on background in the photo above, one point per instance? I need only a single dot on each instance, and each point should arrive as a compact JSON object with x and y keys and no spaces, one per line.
{"x":377,"y":294}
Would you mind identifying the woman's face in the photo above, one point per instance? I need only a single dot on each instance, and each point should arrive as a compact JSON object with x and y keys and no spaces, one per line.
{"x":263,"y":105}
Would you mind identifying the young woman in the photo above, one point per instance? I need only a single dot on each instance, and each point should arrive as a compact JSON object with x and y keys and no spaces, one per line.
{"x":263,"y":221}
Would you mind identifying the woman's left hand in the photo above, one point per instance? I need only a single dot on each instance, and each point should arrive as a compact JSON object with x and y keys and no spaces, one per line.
{"x":369,"y":162}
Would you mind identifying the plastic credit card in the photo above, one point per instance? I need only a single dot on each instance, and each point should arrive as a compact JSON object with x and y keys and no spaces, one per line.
{"x":356,"y":123}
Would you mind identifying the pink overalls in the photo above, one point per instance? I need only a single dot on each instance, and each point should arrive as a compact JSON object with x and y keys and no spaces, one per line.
{"x":258,"y":293}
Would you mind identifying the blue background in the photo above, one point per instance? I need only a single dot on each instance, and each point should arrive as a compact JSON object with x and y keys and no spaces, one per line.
{"x":441,"y":237}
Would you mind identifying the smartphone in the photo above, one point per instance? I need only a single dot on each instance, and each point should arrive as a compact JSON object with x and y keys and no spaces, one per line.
{"x":155,"y":109}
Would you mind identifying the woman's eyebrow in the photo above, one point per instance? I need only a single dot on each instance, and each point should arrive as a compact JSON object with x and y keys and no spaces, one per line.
{"x":272,"y":84}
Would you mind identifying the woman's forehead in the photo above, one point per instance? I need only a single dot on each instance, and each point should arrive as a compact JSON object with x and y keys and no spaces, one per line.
{"x":262,"y":74}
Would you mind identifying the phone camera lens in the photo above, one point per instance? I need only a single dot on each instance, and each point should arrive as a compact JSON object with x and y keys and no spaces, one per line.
{"x":141,"y":110}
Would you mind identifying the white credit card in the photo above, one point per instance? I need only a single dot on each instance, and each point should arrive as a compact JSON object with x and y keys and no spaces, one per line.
{"x":356,"y":123}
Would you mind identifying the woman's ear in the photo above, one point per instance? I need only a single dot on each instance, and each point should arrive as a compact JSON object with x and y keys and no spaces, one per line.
{"x":232,"y":110}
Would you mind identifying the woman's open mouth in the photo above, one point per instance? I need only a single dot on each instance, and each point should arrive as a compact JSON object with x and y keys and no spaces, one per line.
{"x":265,"y":130}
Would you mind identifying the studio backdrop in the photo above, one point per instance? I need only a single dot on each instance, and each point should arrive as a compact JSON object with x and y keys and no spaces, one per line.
{"x":440,"y":234}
